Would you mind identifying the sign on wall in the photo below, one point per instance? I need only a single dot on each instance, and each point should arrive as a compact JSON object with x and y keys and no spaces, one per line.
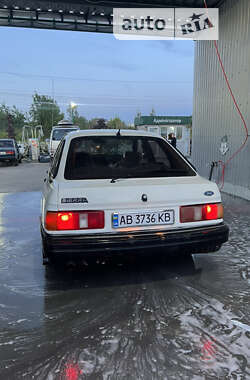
{"x":166,"y":23}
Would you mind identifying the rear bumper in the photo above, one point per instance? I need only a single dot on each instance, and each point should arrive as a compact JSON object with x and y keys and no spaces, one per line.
{"x":196,"y":240}
{"x":8,"y":158}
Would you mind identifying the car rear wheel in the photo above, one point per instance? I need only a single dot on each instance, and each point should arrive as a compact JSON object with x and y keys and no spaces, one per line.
{"x":45,"y":254}
{"x":215,"y":248}
{"x":16,"y":163}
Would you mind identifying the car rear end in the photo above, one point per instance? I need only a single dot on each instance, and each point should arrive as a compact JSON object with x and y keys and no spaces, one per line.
{"x":130,"y":192}
{"x":7,"y":151}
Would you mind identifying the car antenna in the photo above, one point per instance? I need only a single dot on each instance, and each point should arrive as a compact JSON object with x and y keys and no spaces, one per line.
{"x":118,"y":133}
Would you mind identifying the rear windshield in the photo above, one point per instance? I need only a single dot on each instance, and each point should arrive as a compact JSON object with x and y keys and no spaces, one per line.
{"x":58,"y":134}
{"x":6,"y":144}
{"x":100,"y":157}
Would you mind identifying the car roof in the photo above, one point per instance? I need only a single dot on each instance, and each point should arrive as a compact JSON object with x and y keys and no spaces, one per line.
{"x":7,"y":139}
{"x":65,"y":127}
{"x":109,"y":132}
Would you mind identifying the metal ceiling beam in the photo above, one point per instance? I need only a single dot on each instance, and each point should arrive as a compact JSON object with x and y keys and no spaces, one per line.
{"x":85,"y":16}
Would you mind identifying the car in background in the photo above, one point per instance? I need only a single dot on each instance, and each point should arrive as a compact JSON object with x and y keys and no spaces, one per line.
{"x":9,"y":152}
{"x":118,"y":191}
{"x":58,"y":132}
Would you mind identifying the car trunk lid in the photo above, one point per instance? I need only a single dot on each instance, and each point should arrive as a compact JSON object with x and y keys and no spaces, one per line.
{"x":124,"y":194}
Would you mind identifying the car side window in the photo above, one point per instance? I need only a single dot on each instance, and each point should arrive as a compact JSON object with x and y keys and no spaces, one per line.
{"x":57,"y":159}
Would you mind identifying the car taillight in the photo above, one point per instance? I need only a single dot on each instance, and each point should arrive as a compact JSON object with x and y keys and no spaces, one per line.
{"x":72,"y":220}
{"x":91,"y":220}
{"x":51,"y":221}
{"x":212,"y":211}
{"x":199,"y":213}
{"x":10,"y":152}
{"x":67,"y":221}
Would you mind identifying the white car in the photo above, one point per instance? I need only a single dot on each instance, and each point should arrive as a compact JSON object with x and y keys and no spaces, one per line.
{"x":113,"y":191}
{"x":58,"y":132}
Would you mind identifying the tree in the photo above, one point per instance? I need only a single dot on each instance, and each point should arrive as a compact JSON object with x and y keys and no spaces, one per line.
{"x":10,"y":129}
{"x":73,"y":114}
{"x":11,"y":121}
{"x":45,"y":111}
{"x":116,"y":123}
{"x":92,"y":123}
{"x":82,"y":122}
{"x":101,"y":124}
{"x":3,"y":121}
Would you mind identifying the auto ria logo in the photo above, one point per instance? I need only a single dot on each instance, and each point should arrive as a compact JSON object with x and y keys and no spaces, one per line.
{"x":166,"y":23}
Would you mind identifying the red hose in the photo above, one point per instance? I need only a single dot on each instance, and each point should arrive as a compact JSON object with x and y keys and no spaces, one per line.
{"x":224,"y":164}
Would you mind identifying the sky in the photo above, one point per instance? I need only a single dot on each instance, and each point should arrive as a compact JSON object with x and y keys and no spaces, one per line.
{"x":105,"y":77}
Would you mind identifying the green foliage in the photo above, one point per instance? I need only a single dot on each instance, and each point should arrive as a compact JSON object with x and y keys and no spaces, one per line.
{"x":45,"y":111}
{"x":82,"y":122}
{"x":18,"y":120}
{"x":116,"y":123}
{"x":92,"y":123}
{"x":3,"y":122}
{"x":73,"y":114}
{"x":101,"y":124}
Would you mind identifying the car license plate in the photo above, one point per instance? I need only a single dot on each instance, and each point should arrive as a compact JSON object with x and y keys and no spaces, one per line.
{"x":3,"y":153}
{"x":143,"y":219}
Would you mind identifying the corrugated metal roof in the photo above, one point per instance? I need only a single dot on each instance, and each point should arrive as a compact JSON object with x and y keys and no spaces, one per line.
{"x":141,"y":3}
{"x":79,"y":15}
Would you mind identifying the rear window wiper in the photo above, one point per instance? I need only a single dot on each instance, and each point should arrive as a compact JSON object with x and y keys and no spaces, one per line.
{"x":114,"y":179}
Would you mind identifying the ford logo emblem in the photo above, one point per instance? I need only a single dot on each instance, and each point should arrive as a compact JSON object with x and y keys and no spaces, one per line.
{"x":209,"y":193}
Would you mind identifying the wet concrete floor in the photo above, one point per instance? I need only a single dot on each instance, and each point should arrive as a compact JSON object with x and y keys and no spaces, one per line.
{"x":144,"y":319}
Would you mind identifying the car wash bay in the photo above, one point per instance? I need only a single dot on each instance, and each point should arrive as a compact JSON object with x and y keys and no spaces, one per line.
{"x":139,"y":318}
{"x":151,"y":318}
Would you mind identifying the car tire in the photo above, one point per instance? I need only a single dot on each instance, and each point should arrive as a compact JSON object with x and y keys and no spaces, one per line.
{"x":16,"y":162}
{"x":215,"y":248}
{"x":45,"y":255}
